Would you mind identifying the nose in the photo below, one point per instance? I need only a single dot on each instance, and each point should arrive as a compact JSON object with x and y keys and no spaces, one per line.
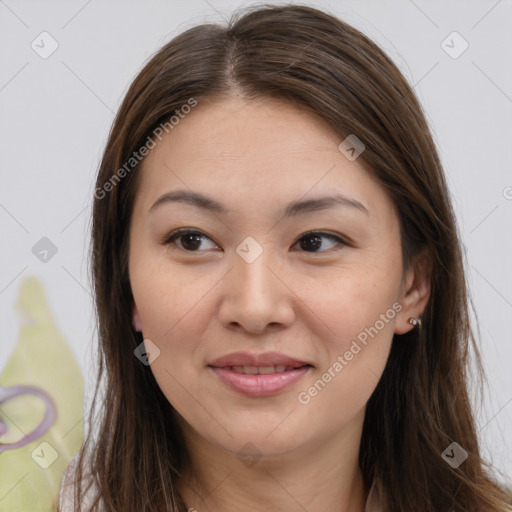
{"x":256,"y":297}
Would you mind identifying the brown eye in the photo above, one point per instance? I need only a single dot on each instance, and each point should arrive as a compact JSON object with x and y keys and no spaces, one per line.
{"x":188,"y":240}
{"x":314,"y":241}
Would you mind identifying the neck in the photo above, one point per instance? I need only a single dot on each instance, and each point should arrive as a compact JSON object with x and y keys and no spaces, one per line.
{"x":322,"y":477}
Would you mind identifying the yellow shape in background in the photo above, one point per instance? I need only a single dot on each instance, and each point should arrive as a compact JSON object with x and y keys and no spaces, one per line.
{"x":30,"y":476}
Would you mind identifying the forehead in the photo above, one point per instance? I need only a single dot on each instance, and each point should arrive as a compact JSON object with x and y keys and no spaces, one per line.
{"x":255,"y":153}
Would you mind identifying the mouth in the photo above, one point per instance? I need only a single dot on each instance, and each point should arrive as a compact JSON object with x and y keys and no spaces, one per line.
{"x":262,"y":370}
{"x":259,"y":375}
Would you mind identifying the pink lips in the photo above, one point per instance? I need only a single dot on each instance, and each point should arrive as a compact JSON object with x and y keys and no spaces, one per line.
{"x":269,"y":382}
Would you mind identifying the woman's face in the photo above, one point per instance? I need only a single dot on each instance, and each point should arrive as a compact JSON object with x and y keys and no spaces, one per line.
{"x":267,"y":334}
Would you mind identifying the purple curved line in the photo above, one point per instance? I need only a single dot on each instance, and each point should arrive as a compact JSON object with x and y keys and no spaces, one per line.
{"x":48,"y":420}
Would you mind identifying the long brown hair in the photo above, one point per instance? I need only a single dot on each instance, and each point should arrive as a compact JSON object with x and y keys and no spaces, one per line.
{"x":133,"y":450}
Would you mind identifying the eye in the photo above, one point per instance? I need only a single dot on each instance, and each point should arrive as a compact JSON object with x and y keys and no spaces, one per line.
{"x":313,"y":241}
{"x":189,"y":240}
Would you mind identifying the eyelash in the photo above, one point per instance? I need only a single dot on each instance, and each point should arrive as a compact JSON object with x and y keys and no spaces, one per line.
{"x":173,"y":236}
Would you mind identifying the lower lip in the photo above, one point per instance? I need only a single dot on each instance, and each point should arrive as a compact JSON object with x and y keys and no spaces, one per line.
{"x":260,"y":385}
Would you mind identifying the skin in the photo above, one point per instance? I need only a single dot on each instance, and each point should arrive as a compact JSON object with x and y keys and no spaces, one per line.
{"x":305,"y":301}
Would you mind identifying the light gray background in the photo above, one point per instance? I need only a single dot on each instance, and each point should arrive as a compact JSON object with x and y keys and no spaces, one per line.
{"x":56,"y":113}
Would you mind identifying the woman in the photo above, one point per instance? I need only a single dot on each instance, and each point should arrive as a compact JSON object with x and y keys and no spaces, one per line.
{"x":282,"y":307}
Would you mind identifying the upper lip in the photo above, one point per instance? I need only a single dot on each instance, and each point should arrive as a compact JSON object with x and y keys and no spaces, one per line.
{"x":265,"y":359}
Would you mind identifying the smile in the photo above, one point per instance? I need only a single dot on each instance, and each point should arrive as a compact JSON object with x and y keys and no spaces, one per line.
{"x":259,"y":375}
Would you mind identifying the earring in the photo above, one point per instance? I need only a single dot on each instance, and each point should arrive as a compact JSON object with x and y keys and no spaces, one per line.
{"x":415,"y":321}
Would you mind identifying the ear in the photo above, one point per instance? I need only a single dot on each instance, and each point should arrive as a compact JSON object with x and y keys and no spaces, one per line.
{"x":137,"y":324}
{"x":415,"y":291}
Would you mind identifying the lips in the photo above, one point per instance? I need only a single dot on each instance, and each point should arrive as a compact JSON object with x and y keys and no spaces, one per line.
{"x":259,"y":370}
{"x":259,"y":375}
{"x":257,"y":360}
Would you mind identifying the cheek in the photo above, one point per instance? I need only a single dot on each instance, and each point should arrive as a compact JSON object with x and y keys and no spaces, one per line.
{"x":175,"y":313}
{"x":170,"y":299}
{"x":176,"y":309}
{"x":355,"y":358}
{"x":356,"y":317}
{"x":353,"y":300}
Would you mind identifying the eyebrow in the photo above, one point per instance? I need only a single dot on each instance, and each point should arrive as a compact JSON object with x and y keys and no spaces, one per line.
{"x":292,"y":209}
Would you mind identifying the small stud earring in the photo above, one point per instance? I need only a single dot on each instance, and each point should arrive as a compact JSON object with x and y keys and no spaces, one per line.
{"x":415,"y":321}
